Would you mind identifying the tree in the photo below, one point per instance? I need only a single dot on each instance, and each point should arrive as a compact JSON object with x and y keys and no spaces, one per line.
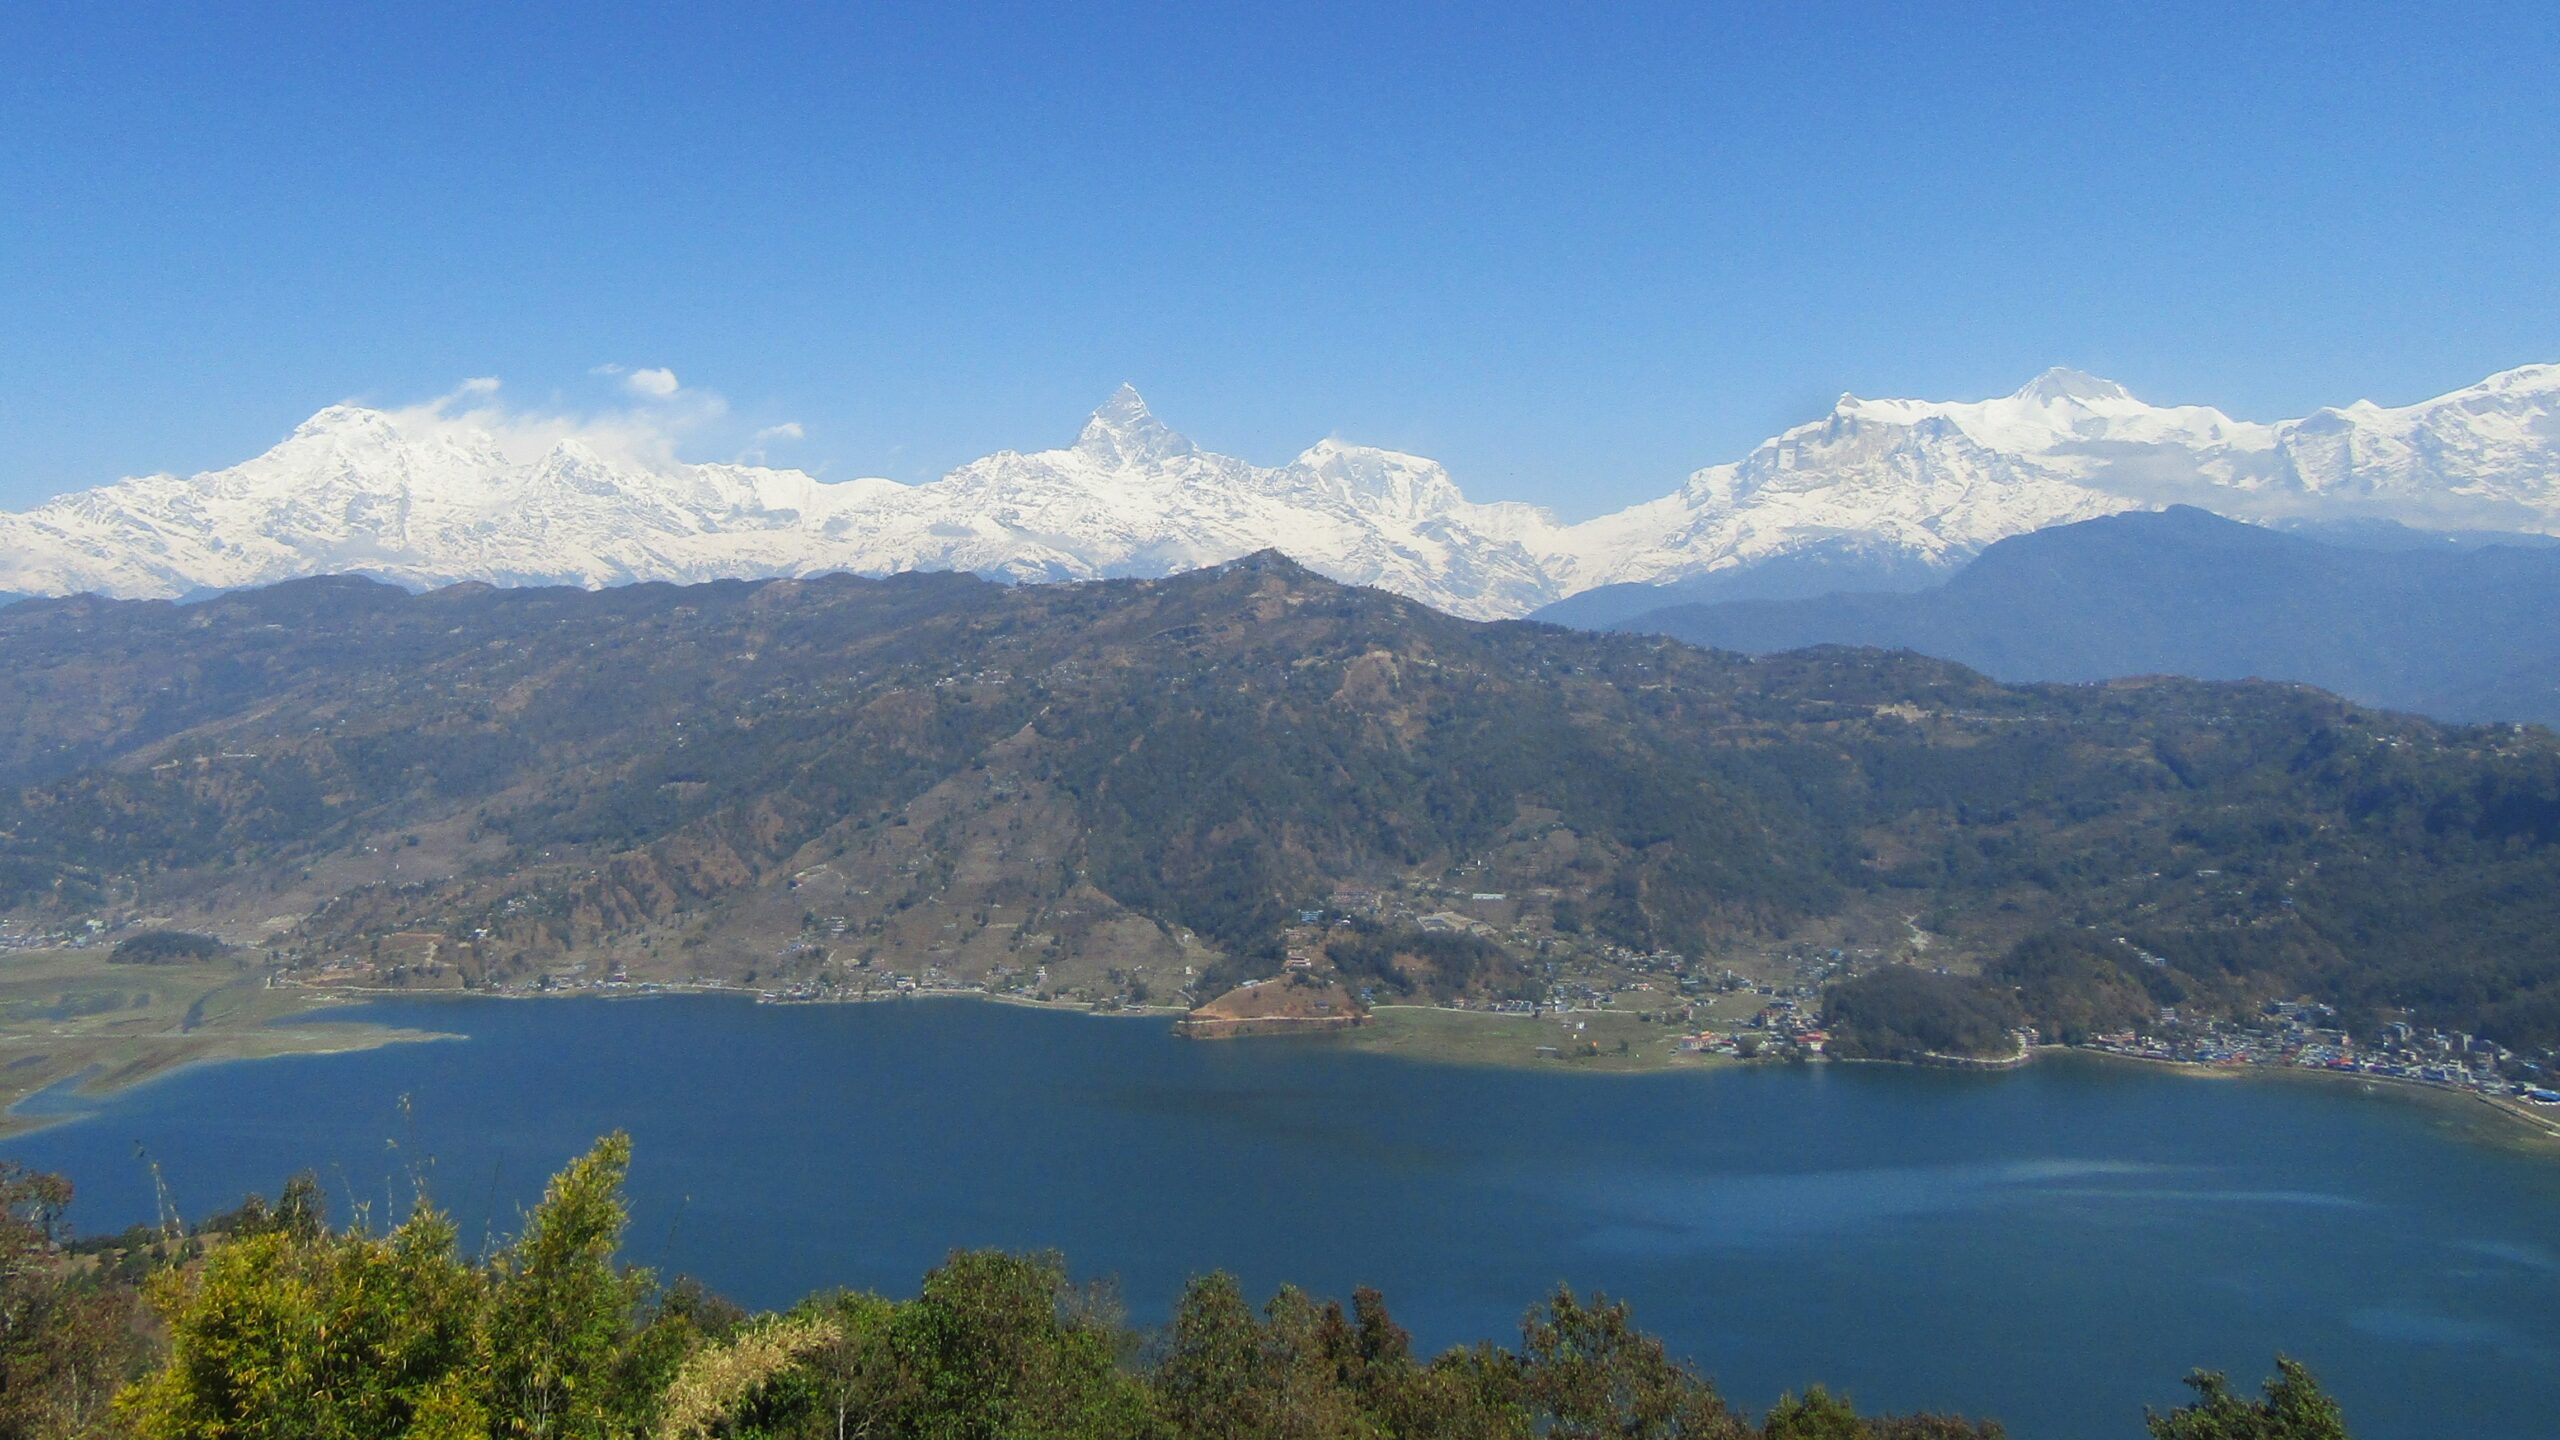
{"x":329,"y":1337}
{"x":1815,"y":1415}
{"x":991,"y":1355}
{"x":1596,"y":1377}
{"x":562,"y":1312}
{"x":1307,"y":1353}
{"x":2295,"y":1408}
{"x":66,"y":1343}
{"x":1208,"y":1378}
{"x":854,"y":1381}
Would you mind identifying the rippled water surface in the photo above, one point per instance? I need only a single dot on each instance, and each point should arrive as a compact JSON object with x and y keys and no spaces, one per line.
{"x":2053,"y":1246}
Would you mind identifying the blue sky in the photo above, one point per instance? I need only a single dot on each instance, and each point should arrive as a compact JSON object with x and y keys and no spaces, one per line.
{"x":1574,"y":251}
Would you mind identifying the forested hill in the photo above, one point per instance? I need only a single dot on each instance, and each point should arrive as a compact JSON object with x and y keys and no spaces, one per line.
{"x":769,"y":779}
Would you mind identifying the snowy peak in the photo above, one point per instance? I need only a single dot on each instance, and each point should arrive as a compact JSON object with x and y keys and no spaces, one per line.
{"x":424,"y":497}
{"x":1388,"y":481}
{"x":341,"y":420}
{"x":2061,"y":383}
{"x":1124,"y":434}
{"x":1933,"y":482}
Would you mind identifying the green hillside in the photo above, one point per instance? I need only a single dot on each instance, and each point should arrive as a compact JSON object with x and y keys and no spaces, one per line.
{"x":1147,"y":783}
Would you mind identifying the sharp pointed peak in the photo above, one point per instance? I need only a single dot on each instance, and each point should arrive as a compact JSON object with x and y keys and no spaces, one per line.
{"x":1122,"y":430}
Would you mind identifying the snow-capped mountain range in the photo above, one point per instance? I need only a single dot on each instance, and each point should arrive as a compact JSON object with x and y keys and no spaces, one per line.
{"x":381,"y":493}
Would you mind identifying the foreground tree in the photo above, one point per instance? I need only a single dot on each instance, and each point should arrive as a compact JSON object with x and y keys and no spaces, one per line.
{"x":316,"y":1337}
{"x":67,"y":1341}
{"x":1819,"y":1414}
{"x":281,"y":1328}
{"x":562,"y":1313}
{"x":2295,"y":1408}
{"x":996,"y":1349}
{"x":1592,"y":1375}
{"x":290,"y":1330}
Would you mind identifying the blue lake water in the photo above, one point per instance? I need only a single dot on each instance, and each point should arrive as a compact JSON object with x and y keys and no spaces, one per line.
{"x":2053,"y":1246}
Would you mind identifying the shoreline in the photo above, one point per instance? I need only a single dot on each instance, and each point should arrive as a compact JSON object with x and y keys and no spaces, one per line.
{"x":1396,"y":1031}
{"x":78,"y":1027}
{"x":99,"y":1081}
{"x":657,"y":990}
{"x":2511,"y":1117}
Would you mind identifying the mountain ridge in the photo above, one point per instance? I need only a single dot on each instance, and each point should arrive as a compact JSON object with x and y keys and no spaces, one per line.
{"x":1902,"y":487}
{"x":2460,"y":633}
{"x":1057,"y":787}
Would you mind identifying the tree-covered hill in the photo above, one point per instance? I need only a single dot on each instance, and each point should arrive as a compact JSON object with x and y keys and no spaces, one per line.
{"x":787,"y":779}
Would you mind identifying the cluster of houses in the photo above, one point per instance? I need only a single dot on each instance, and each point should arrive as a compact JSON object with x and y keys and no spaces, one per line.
{"x":66,"y":937}
{"x":2308,"y":1036}
{"x":1789,"y":1026}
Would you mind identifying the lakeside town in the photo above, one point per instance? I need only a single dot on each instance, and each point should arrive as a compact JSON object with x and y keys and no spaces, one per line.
{"x":2308,"y":1037}
{"x":1702,"y":1011}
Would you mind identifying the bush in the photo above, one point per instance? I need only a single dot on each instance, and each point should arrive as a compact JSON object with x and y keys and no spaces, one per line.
{"x":167,"y":947}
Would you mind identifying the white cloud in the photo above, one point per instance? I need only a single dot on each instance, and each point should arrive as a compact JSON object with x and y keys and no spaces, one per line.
{"x":657,"y":384}
{"x":646,"y":434}
{"x":607,"y":368}
{"x":754,"y":454}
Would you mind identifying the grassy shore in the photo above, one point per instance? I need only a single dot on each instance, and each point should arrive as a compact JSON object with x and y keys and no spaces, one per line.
{"x":1475,"y":1037}
{"x":71,"y":1015}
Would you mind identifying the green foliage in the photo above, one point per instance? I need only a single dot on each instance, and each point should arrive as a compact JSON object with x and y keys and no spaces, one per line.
{"x":2295,"y":1408}
{"x":299,"y":1211}
{"x":1209,"y":1376}
{"x":67,"y":1342}
{"x":281,"y":1328}
{"x":1440,"y":965}
{"x":1902,"y":1013}
{"x":333,"y":1337}
{"x":291,"y":1329}
{"x":562,"y":1314}
{"x":1589,"y":1374}
{"x":1299,"y":1372}
{"x":166,"y":947}
{"x":2072,"y":985}
{"x":991,"y":1351}
{"x":1817,"y":1414}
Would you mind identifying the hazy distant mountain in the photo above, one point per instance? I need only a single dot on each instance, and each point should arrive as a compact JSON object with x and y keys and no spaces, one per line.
{"x":1792,"y":575}
{"x":2392,"y":535}
{"x":1877,"y":491}
{"x":2453,"y":631}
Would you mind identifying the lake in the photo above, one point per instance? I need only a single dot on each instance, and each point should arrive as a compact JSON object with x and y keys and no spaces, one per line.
{"x":2054,"y":1246}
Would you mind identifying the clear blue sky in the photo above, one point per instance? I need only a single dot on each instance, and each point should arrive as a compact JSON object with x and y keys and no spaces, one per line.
{"x":1574,"y":251}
